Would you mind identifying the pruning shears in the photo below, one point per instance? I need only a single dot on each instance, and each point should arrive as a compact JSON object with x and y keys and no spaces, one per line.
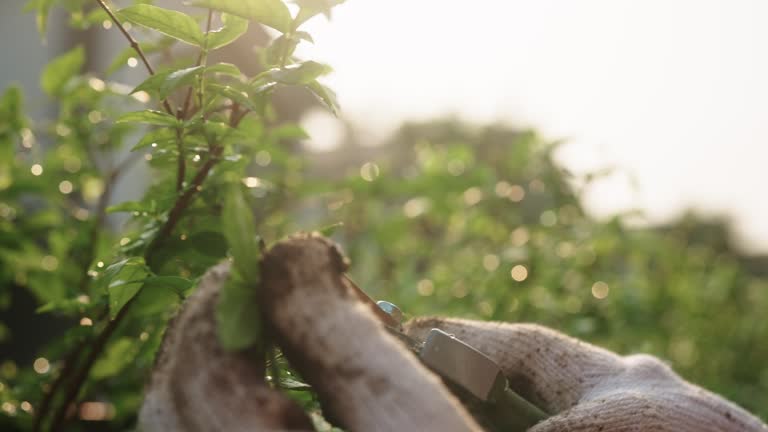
{"x":470,"y":373}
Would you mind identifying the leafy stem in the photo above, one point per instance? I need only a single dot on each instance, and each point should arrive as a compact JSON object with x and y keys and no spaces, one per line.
{"x":135,"y":45}
{"x":98,"y":345}
{"x":183,"y":114}
{"x":72,"y":357}
{"x":200,"y":58}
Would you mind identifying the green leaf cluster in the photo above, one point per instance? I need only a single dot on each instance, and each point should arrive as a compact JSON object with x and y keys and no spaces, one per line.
{"x":217,"y":168}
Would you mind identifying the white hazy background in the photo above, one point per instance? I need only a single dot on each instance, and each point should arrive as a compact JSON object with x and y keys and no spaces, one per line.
{"x":673,"y":93}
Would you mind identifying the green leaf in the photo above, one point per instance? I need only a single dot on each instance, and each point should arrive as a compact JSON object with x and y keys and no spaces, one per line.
{"x":117,"y":357}
{"x":210,"y":243}
{"x":122,"y":280}
{"x":161,"y":293}
{"x":11,"y":122}
{"x":233,"y":28}
{"x":240,"y":231}
{"x":152,"y":83}
{"x":292,"y":384}
{"x":179,"y":78}
{"x":176,"y":284}
{"x":289,"y":131}
{"x":311,"y":8}
{"x":302,"y":35}
{"x":272,"y":13}
{"x":302,"y":73}
{"x":164,"y":83}
{"x":67,"y":306}
{"x":237,"y":315}
{"x":12,"y":108}
{"x":129,"y":206}
{"x":161,"y":137}
{"x":324,"y":95}
{"x":235,"y":95}
{"x":60,"y":70}
{"x":173,"y":23}
{"x":148,"y":117}
{"x":43,"y":8}
{"x":329,"y":230}
{"x":282,"y":47}
{"x":225,"y":68}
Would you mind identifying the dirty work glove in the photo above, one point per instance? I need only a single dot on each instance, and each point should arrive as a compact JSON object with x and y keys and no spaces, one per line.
{"x":367,"y":381}
{"x":589,"y":389}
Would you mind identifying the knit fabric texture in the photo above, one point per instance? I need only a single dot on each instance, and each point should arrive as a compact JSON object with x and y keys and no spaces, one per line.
{"x":588,"y":389}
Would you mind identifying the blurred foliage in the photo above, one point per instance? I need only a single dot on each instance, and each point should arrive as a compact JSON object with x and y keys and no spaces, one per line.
{"x":482,"y":223}
{"x":458,"y":220}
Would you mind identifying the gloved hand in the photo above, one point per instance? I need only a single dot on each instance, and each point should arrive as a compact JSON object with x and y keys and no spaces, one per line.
{"x":590,"y":389}
{"x":366,"y":380}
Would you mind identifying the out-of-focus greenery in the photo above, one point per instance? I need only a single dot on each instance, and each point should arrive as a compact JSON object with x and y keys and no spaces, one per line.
{"x":482,"y":223}
{"x":458,"y":220}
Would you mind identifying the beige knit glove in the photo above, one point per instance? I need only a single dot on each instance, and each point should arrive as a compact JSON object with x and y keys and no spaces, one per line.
{"x":367,"y":381}
{"x":589,"y":389}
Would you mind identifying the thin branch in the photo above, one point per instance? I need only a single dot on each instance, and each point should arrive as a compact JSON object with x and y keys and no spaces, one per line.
{"x":77,"y":382}
{"x":73,"y":389}
{"x":69,"y":364}
{"x":174,"y":216}
{"x":71,"y":360}
{"x":200,"y":57}
{"x":134,"y":45}
{"x":182,"y":157}
{"x":181,"y":168}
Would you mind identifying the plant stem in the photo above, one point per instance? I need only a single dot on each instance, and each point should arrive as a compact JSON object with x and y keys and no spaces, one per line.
{"x":45,"y":404}
{"x":134,"y":45}
{"x":181,"y":168}
{"x":188,"y":97}
{"x":82,"y":373}
{"x":99,"y":344}
{"x":174,"y":216}
{"x":183,"y":114}
{"x":72,"y":357}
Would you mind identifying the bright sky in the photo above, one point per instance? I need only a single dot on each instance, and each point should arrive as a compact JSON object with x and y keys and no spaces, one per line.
{"x":673,"y":92}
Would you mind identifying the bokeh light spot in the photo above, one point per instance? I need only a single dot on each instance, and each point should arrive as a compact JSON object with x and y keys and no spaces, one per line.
{"x":415,"y":207}
{"x":491,"y":262}
{"x":251,"y":182}
{"x":516,"y":193}
{"x":369,"y":171}
{"x":96,"y":411}
{"x":472,"y":196}
{"x":66,"y":187}
{"x":548,"y":218}
{"x":49,"y":263}
{"x":425,"y":287}
{"x":519,"y":273}
{"x":262,"y":158}
{"x":41,"y":365}
{"x":520,"y":236}
{"x":600,"y":290}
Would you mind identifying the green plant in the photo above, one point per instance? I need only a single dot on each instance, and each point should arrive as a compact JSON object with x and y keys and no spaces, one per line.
{"x":199,"y":126}
{"x":469,"y":221}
